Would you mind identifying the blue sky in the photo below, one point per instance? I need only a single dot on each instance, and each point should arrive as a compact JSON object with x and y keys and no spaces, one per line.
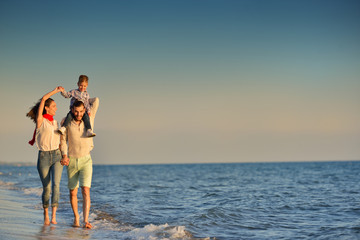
{"x":189,"y":81}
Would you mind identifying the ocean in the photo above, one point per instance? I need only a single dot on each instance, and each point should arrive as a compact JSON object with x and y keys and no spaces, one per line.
{"x":302,"y":200}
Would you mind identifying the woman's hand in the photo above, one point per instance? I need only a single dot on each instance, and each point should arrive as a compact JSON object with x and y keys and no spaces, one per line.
{"x":59,"y":89}
{"x":65,"y":161}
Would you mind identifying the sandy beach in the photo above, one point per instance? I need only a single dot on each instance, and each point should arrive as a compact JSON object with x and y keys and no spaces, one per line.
{"x":17,"y":221}
{"x":21,"y":221}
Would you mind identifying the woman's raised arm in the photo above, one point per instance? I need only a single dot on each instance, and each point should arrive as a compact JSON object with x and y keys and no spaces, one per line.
{"x":39,"y":117}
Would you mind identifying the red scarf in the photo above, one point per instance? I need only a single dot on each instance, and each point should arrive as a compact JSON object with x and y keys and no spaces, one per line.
{"x":48,"y":117}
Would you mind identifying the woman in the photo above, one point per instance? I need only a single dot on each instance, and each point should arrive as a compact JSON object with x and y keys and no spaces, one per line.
{"x":47,"y":141}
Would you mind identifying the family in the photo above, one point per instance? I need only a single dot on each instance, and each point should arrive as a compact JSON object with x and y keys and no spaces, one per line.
{"x":69,"y":145}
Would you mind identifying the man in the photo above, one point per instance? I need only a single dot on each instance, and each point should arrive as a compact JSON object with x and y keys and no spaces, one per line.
{"x":76,"y":147}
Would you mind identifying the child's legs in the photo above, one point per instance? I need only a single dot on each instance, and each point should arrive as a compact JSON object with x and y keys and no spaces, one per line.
{"x":86,"y":120}
{"x":68,"y":119}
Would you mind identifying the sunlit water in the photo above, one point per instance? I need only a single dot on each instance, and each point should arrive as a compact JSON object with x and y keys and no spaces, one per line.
{"x":319,"y":200}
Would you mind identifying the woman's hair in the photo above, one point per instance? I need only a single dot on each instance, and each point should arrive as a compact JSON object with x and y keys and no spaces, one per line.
{"x":34,"y":110}
{"x":83,"y":78}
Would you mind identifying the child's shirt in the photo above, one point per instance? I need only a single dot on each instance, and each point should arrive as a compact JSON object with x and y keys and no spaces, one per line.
{"x":76,"y":94}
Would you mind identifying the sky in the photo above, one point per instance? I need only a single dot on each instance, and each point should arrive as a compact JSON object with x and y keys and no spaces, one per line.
{"x":200,"y":81}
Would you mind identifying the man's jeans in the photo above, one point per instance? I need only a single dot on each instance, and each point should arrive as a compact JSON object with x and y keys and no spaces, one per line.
{"x":50,"y":169}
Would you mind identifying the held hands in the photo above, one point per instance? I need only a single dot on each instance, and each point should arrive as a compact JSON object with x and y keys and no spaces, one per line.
{"x":59,"y":89}
{"x":65,"y":161}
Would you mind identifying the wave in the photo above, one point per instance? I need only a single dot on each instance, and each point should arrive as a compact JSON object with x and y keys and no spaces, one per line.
{"x":104,"y":221}
{"x":33,"y":191}
{"x":7,"y":185}
{"x":164,"y":231}
{"x":27,"y":191}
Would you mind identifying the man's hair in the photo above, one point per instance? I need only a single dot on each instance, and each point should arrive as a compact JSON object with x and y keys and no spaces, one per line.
{"x":83,"y":78}
{"x":78,"y":103}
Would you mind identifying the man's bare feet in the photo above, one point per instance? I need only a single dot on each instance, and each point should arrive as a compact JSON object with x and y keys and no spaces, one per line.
{"x":76,"y":223}
{"x":53,"y":221}
{"x":88,"y":225}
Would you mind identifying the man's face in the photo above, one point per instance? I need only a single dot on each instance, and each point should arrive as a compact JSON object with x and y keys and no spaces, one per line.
{"x":78,"y":112}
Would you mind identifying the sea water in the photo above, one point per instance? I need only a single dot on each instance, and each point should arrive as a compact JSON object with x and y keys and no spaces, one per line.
{"x":308,"y":200}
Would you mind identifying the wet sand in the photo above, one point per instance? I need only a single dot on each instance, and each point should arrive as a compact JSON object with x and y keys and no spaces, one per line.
{"x":16,"y":220}
{"x":19,"y":220}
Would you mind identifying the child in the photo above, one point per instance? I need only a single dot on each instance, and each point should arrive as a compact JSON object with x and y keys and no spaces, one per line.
{"x":82,"y":95}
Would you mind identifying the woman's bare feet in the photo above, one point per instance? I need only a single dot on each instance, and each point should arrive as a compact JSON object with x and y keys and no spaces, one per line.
{"x":53,"y":215}
{"x":46,"y":216}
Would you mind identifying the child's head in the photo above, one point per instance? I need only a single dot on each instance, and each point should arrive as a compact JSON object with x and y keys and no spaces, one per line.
{"x":83,"y":83}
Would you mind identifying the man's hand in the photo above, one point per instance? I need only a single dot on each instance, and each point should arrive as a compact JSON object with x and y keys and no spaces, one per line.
{"x":65,"y":161}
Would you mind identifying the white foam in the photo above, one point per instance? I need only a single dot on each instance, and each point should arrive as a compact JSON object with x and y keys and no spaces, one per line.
{"x":6,"y":184}
{"x":107,"y":223}
{"x":157,"y":232}
{"x":33,"y":191}
{"x":148,"y":232}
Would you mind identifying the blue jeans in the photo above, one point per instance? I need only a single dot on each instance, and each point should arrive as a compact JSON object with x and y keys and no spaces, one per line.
{"x":50,"y":169}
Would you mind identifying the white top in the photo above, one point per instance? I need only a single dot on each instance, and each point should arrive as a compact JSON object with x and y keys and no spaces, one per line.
{"x":74,"y":142}
{"x":46,"y":137}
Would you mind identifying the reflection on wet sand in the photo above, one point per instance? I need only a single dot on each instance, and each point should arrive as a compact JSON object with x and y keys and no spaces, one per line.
{"x":63,"y":232}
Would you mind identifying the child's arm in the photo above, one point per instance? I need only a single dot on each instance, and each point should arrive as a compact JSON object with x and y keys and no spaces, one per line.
{"x":66,"y":94}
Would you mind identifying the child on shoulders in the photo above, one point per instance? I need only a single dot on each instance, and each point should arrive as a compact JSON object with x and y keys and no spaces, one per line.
{"x":82,"y":95}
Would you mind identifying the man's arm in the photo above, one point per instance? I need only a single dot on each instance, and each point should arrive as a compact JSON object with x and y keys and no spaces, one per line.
{"x":64,"y":149}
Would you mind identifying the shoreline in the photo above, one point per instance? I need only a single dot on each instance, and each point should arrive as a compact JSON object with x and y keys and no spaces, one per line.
{"x":32,"y":164}
{"x":19,"y":220}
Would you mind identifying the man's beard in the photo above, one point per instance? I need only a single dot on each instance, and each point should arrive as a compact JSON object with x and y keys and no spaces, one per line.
{"x":77,"y":119}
